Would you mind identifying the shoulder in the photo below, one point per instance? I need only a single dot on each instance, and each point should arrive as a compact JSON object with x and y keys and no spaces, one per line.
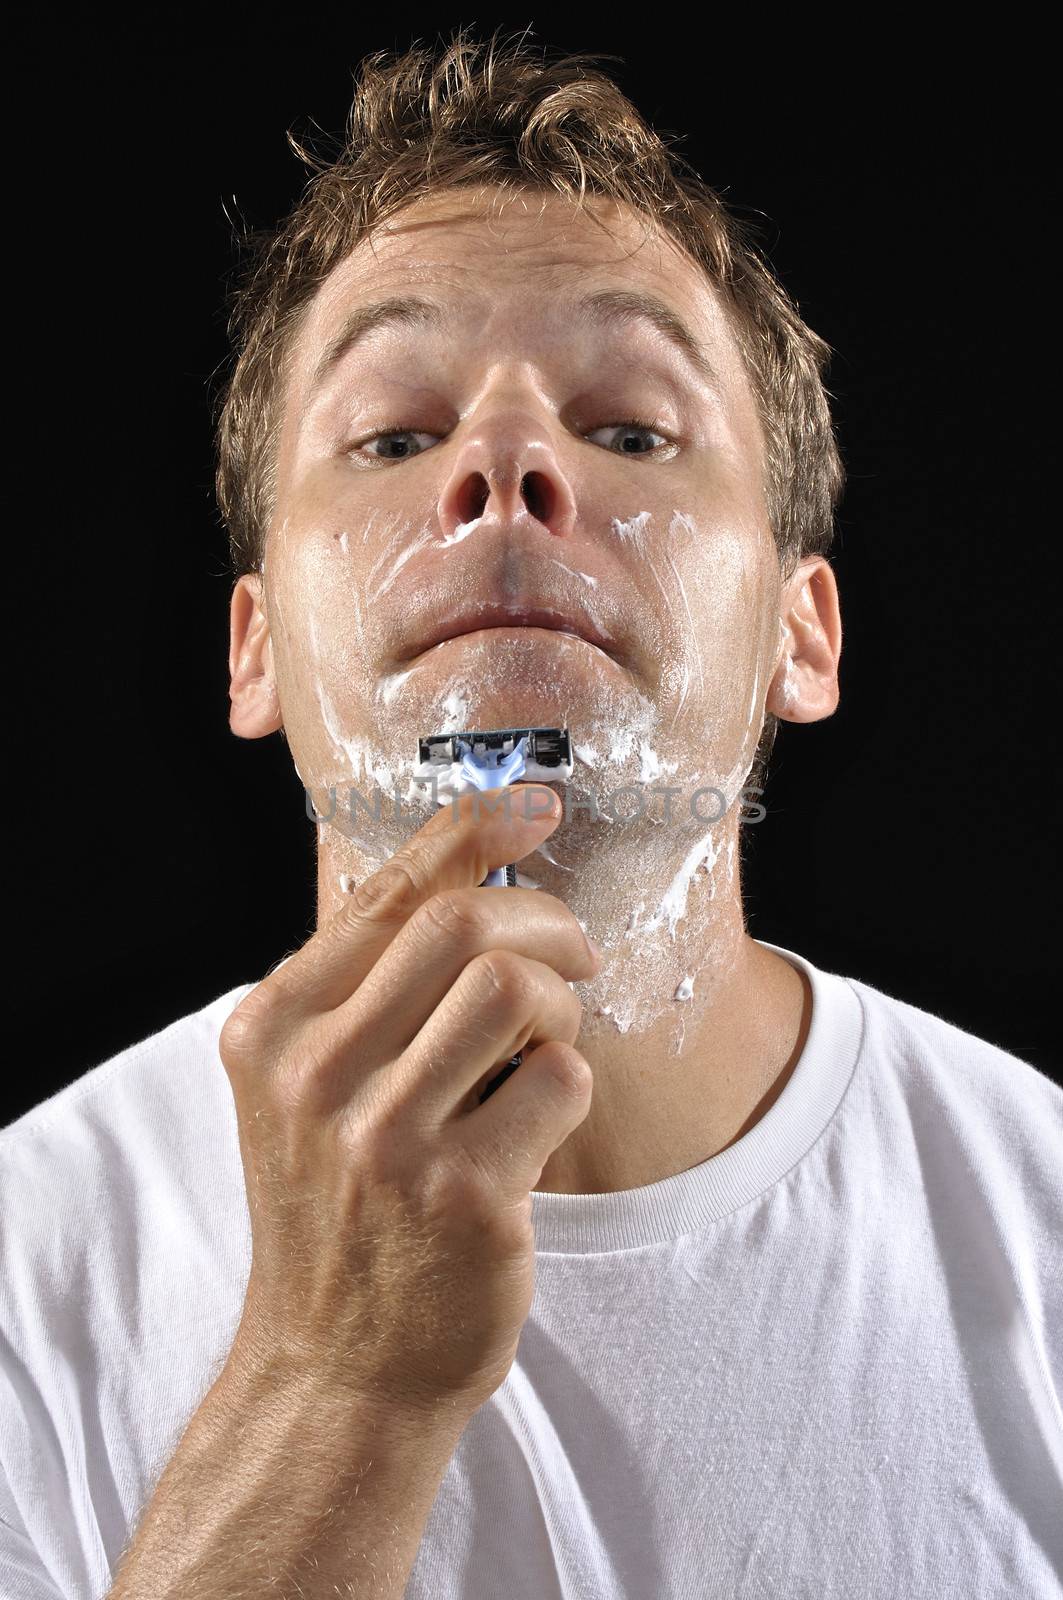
{"x":960,"y":1090}
{"x":128,"y":1078}
{"x":926,"y":1040}
{"x":121,"y":1122}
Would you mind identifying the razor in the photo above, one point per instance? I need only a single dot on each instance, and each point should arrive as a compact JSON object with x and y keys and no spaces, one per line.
{"x":491,"y":760}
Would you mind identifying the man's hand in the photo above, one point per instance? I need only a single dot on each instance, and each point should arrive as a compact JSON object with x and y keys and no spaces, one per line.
{"x":393,"y":1252}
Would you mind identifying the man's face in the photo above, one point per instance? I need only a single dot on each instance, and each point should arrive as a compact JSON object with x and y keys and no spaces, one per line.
{"x":439,"y":480}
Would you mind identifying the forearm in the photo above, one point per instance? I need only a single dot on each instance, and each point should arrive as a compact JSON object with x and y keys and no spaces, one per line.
{"x":276,"y":1489}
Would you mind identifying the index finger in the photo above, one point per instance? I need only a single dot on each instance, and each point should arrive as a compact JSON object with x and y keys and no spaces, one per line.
{"x":443,"y":854}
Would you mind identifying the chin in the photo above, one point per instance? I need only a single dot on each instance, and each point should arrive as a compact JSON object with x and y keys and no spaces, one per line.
{"x":528,"y":667}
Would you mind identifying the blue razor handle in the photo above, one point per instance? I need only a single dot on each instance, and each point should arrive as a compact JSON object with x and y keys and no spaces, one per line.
{"x":491,"y":761}
{"x":509,"y":769}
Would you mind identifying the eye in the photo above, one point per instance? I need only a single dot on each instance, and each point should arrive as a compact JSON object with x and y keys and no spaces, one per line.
{"x":634,"y":427}
{"x":392,"y":433}
{"x":625,"y":428}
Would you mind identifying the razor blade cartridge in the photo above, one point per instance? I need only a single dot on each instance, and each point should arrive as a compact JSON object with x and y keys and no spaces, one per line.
{"x":543,"y":754}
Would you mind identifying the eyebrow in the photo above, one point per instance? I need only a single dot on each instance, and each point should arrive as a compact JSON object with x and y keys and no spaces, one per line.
{"x":616,"y":308}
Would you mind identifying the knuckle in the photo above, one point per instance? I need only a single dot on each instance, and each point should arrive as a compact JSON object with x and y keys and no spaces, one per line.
{"x":391,"y":891}
{"x":506,"y":976}
{"x":244,"y":1030}
{"x":453,"y":915}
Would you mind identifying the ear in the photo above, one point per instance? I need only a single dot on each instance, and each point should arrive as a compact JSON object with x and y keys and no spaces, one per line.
{"x":255,"y":707}
{"x":804,"y":687}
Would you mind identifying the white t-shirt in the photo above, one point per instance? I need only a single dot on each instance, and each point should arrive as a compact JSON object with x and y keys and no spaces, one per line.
{"x":824,"y":1363}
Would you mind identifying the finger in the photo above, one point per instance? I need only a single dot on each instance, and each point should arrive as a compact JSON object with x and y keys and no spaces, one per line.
{"x":510,"y":1138}
{"x":427,"y":956}
{"x":443,"y":854}
{"x":500,"y":1003}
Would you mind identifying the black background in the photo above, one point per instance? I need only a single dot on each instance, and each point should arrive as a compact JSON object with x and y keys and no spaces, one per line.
{"x":904,"y":198}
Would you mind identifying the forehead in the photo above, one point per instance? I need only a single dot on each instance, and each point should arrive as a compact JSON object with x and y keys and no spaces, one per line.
{"x":510,"y":257}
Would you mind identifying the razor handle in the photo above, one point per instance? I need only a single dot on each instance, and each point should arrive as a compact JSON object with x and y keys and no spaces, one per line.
{"x":491,"y":759}
{"x":502,"y":877}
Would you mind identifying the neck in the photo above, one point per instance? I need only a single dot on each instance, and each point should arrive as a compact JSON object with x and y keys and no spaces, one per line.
{"x":691,"y":1028}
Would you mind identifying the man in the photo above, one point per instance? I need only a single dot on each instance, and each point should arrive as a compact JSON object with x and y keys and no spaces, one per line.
{"x":747,"y":1279}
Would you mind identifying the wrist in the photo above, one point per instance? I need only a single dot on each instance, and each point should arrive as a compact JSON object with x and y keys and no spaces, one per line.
{"x":266,"y":1389}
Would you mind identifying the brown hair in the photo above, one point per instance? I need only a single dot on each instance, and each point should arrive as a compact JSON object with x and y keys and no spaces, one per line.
{"x":488,"y":113}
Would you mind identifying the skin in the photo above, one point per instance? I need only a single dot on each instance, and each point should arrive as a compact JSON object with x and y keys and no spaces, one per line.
{"x":511,"y":479}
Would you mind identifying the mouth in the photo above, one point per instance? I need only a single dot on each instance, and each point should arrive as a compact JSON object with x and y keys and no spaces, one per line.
{"x":502,"y":617}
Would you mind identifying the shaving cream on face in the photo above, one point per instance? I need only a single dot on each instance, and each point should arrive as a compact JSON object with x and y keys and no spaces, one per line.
{"x":651,"y":890}
{"x":461,"y":532}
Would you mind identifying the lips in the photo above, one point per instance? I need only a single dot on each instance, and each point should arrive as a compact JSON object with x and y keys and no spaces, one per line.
{"x":473,"y":618}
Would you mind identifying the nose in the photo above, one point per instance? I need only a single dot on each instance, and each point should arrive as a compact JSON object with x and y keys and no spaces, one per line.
{"x":507,"y":470}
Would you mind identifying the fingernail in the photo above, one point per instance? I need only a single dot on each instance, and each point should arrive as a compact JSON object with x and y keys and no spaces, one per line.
{"x":539,"y":802}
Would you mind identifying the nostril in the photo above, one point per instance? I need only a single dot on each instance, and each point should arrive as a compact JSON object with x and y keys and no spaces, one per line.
{"x":536,"y":495}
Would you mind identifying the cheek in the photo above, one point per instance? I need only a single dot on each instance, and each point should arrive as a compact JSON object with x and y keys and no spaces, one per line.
{"x":727,"y":583}
{"x":328,"y":621}
{"x":725,"y":588}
